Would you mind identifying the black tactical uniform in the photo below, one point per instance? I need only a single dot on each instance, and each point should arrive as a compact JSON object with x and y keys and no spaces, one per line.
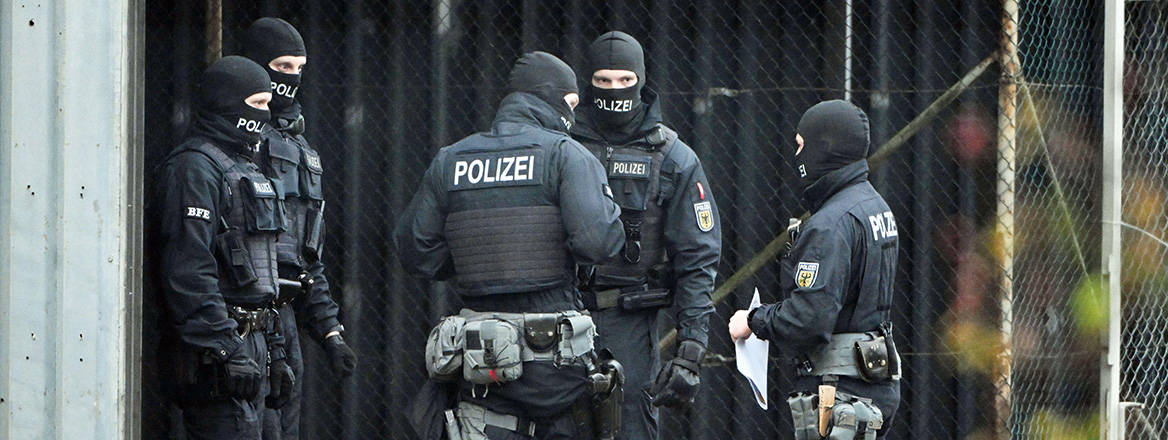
{"x":506,"y":215}
{"x":220,"y":220}
{"x":673,"y":238}
{"x":286,"y":157}
{"x":839,"y":274}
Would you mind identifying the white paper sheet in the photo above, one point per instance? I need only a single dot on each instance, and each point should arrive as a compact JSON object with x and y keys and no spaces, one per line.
{"x":751,"y":355}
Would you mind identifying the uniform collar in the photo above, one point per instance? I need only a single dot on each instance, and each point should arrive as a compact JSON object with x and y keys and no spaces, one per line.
{"x":527,"y":109}
{"x":816,"y":194}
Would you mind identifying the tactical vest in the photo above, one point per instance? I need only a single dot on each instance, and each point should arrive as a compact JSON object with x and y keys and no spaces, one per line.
{"x":504,"y":228}
{"x":868,"y":302}
{"x":296,"y":168}
{"x":245,"y":246}
{"x":642,"y":180}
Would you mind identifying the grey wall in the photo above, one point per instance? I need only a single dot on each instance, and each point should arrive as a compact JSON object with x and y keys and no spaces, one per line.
{"x":69,"y":185}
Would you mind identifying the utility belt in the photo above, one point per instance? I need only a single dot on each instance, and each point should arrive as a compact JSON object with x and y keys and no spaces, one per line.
{"x":629,"y":298}
{"x":248,"y":319}
{"x":291,"y":290}
{"x":598,"y":413}
{"x":870,"y":356}
{"x":469,"y":422}
{"x":848,"y":417}
{"x":486,"y":348}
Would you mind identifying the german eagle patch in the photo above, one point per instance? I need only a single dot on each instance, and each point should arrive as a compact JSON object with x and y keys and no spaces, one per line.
{"x":704,"y":215}
{"x":806,"y":273}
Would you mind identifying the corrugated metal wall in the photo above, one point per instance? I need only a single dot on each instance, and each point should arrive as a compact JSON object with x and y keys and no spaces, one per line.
{"x":69,"y":234}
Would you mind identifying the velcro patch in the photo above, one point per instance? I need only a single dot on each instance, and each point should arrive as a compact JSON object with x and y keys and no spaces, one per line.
{"x":199,"y":213}
{"x":704,"y":214}
{"x":806,"y":273}
{"x":512,"y":168}
{"x":636,"y":167}
{"x":264,"y":189}
{"x":607,"y":190}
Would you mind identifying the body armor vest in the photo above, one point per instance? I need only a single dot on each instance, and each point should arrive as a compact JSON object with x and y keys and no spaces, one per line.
{"x":296,"y":168}
{"x":504,"y":229}
{"x":641,"y":181}
{"x":245,"y":245}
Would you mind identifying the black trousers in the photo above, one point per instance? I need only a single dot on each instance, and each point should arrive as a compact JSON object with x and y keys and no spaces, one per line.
{"x":284,"y":423}
{"x":632,"y":339}
{"x":226,"y":418}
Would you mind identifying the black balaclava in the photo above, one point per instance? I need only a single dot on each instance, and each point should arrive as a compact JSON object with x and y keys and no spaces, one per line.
{"x":835,"y":134}
{"x":223,"y":116}
{"x":615,"y":50}
{"x":547,"y":77}
{"x":270,"y":38}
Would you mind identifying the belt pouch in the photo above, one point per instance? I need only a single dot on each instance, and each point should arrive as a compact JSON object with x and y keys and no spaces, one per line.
{"x":444,"y":349}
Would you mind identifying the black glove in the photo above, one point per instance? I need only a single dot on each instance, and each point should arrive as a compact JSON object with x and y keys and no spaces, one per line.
{"x":243,"y":375}
{"x":342,"y":358}
{"x":677,"y":382}
{"x":282,"y":379}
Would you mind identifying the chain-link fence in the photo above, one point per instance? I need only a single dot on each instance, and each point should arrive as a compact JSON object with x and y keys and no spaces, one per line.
{"x":996,"y":194}
{"x":1144,"y":282}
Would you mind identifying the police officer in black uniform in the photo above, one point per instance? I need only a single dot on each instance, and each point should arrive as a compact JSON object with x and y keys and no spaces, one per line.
{"x":837,"y":278}
{"x":505,"y":215}
{"x":287,"y":158}
{"x":220,"y":220}
{"x":673,"y":238}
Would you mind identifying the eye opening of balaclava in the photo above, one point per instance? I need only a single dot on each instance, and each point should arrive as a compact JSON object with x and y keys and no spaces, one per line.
{"x":222,"y":110}
{"x":615,"y":50}
{"x":269,"y":38}
{"x":835,"y":134}
{"x":547,"y":77}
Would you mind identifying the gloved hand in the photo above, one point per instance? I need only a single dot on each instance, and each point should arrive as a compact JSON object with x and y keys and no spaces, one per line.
{"x":243,"y":375}
{"x":282,"y":380}
{"x":677,"y":382}
{"x":342,"y":358}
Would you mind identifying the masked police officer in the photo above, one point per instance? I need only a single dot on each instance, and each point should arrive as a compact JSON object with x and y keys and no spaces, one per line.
{"x":287,"y":158}
{"x":672,"y":235}
{"x":220,"y":220}
{"x":506,"y":215}
{"x":838,"y":278}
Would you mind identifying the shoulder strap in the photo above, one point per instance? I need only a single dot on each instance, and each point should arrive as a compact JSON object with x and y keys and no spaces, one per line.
{"x":222,"y":161}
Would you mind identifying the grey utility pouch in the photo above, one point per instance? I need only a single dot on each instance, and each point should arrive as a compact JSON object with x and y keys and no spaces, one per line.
{"x":444,"y":348}
{"x":854,"y":418}
{"x":804,"y":415}
{"x":492,"y":352}
{"x":577,"y":334}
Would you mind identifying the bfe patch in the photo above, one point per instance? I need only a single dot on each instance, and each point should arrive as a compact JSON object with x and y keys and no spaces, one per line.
{"x":806,"y":274}
{"x":199,"y":213}
{"x":704,"y":215}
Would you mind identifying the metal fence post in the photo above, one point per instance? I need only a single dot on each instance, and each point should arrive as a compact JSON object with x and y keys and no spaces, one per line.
{"x":1007,"y":166}
{"x":1113,"y":47}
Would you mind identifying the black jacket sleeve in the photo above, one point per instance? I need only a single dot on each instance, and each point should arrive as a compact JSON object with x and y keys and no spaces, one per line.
{"x":694,"y":247}
{"x":421,"y":244}
{"x":591,"y":218}
{"x":191,"y":205}
{"x":820,"y":263}
{"x":319,"y":311}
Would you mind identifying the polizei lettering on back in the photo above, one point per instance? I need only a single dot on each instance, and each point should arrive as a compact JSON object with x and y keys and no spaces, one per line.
{"x":496,"y":170}
{"x":883,"y":225}
{"x":614,"y":105}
